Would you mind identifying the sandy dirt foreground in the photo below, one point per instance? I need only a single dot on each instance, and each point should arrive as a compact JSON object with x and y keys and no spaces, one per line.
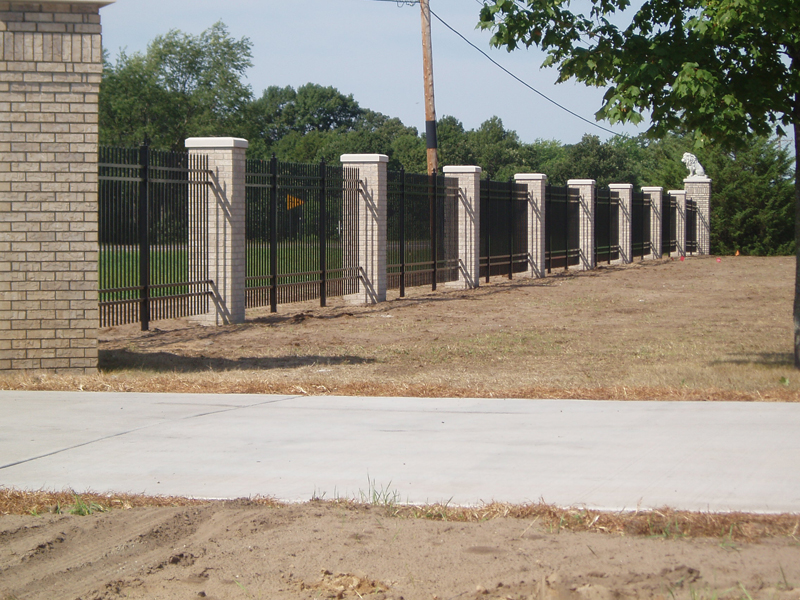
{"x":332,"y":550}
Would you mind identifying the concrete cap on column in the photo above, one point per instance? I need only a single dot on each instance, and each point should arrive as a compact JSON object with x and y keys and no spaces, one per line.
{"x":652,"y":188}
{"x":581,"y":182}
{"x":216,"y":142}
{"x":620,"y":186}
{"x":99,"y":3}
{"x":455,"y":169}
{"x":364,"y":158}
{"x":677,"y":192}
{"x":530,"y":177}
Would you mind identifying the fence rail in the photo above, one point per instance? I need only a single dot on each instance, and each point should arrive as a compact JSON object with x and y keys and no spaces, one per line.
{"x":152,"y":235}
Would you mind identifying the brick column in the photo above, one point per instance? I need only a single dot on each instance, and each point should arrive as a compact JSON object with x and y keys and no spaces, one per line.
{"x":680,"y":221}
{"x":468,"y":225}
{"x":585,"y":188}
{"x":50,"y":71}
{"x":226,"y":226}
{"x":537,"y":186}
{"x":371,"y":226}
{"x":655,"y":194}
{"x":625,"y":194}
{"x":699,"y":190}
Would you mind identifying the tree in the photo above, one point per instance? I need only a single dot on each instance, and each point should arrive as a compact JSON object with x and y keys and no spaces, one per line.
{"x":184,"y":85}
{"x":725,"y":71}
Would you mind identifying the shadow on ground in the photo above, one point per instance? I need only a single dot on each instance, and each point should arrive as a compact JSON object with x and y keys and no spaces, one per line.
{"x":769,"y":359}
{"x":167,"y":362}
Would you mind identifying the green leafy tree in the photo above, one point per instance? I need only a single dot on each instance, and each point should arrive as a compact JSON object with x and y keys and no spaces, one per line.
{"x":752,"y":204}
{"x":183,"y":86}
{"x":721,"y":70}
{"x":494,"y":147}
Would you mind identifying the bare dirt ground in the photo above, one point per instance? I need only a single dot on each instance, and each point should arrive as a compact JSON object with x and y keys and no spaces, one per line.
{"x":699,"y":330}
{"x":669,"y":330}
{"x":247,"y":549}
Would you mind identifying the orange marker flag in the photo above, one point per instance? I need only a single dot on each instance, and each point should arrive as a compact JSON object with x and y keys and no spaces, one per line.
{"x":292,"y":202}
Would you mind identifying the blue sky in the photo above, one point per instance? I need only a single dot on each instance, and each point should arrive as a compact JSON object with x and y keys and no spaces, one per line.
{"x":373,"y":50}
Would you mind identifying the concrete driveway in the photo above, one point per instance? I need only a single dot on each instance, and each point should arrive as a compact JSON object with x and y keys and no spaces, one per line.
{"x":611,"y":455}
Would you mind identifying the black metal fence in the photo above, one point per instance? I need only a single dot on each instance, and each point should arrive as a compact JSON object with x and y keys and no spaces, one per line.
{"x":669,"y":225}
{"x":153,"y":239}
{"x":640,"y":225}
{"x":606,"y":225}
{"x":562,"y":227}
{"x":301,"y":232}
{"x":421,"y":230}
{"x":504,"y":228}
{"x":691,"y":226}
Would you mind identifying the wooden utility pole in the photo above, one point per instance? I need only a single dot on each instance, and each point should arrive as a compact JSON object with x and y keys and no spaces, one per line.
{"x":430,"y":107}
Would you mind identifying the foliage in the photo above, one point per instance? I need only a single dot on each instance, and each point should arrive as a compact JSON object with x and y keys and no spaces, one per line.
{"x":752,"y":206}
{"x":184,"y":85}
{"x":720,"y":69}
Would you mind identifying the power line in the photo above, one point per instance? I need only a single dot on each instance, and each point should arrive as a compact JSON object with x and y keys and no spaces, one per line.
{"x":498,"y":65}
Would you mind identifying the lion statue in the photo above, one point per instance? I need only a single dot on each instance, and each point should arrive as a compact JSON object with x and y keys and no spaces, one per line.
{"x":694,"y":166}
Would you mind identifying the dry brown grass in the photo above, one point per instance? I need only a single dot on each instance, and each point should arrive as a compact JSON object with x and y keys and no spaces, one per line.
{"x":659,"y":330}
{"x":664,"y":522}
{"x":245,"y":382}
{"x":19,"y":502}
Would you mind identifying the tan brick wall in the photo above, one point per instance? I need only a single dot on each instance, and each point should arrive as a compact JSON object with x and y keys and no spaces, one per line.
{"x":50,"y":70}
{"x":373,"y":200}
{"x":655,"y":194}
{"x":468,"y":224}
{"x":226,"y":226}
{"x":537,"y":191}
{"x":699,"y":190}
{"x":625,"y":195}
{"x":680,"y":221}
{"x":585,"y":188}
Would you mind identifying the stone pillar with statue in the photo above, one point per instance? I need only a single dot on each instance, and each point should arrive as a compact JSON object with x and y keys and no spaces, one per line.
{"x":698,"y":189}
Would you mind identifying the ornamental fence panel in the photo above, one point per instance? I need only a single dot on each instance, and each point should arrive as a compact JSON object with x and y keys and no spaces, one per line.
{"x":421,"y":230}
{"x":503,"y":228}
{"x":153,"y":235}
{"x":606,"y":225}
{"x":301,"y":232}
{"x":669,"y":225}
{"x":691,"y":226}
{"x":640,"y":225}
{"x":562,"y":227}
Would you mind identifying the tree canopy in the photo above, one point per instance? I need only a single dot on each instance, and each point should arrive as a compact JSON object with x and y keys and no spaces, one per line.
{"x":184,"y":85}
{"x":188,"y":85}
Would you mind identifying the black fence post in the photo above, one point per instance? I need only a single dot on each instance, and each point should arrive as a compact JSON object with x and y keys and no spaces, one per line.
{"x":144,"y":235}
{"x":566,"y":229}
{"x":434,"y":198}
{"x":511,"y":228}
{"x":610,"y":228}
{"x":323,"y":234}
{"x":273,"y":235}
{"x":402,"y":232}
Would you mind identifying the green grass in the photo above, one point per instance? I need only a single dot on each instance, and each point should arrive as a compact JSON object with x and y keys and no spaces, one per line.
{"x":298,"y":262}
